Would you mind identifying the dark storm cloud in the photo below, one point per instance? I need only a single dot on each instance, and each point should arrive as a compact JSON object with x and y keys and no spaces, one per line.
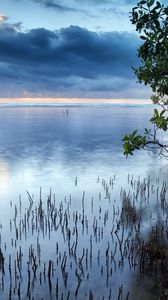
{"x":65,"y":5}
{"x":60,"y":6}
{"x":87,"y":7}
{"x":70,"y":59}
{"x":57,"y":6}
{"x":52,"y":4}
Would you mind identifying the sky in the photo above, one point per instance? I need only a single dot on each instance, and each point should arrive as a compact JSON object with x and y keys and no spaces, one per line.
{"x":68,"y":49}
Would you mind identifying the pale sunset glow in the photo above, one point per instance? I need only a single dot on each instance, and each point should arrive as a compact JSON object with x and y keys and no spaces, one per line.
{"x":71,"y":101}
{"x":2,"y":18}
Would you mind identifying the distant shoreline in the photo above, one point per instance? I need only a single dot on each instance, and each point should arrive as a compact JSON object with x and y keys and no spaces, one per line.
{"x":6,"y":105}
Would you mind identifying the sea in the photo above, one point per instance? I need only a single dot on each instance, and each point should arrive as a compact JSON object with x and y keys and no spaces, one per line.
{"x":63,"y":183}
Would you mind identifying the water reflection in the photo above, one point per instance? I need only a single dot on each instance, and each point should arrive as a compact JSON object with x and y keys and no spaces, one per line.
{"x":45,"y":131}
{"x":42,"y":144}
{"x":87,"y":129}
{"x":48,"y":147}
{"x":78,"y":155}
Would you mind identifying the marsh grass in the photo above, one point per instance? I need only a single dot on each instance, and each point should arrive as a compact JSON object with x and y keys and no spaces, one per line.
{"x":94,"y":249}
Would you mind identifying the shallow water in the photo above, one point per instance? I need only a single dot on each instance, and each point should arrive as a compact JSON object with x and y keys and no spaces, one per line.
{"x":75,"y":155}
{"x":39,"y":146}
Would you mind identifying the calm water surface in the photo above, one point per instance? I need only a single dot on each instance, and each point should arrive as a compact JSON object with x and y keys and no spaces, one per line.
{"x":48,"y":146}
{"x":72,"y":153}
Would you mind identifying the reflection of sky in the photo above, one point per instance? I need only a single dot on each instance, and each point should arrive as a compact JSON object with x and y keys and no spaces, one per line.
{"x":4,"y":173}
{"x":49,"y":147}
{"x":25,"y":131}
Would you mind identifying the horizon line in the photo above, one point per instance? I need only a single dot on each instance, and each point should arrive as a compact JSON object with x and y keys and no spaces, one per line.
{"x":58,"y":100}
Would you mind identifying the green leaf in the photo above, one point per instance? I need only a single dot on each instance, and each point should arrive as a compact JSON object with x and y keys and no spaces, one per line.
{"x":142,"y":2}
{"x":158,"y":4}
{"x":150,"y":3}
{"x":134,"y":133}
{"x":156,"y":113}
{"x":162,"y":112}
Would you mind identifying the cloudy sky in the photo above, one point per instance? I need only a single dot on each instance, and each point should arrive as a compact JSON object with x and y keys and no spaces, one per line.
{"x":68,"y":48}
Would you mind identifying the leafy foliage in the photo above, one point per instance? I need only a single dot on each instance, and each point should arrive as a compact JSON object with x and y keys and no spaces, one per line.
{"x":159,"y":120}
{"x":132,"y":142}
{"x":150,"y":18}
{"x":151,"y":21}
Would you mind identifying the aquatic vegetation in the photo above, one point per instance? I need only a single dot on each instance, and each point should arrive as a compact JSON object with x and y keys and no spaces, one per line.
{"x":89,"y":247}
